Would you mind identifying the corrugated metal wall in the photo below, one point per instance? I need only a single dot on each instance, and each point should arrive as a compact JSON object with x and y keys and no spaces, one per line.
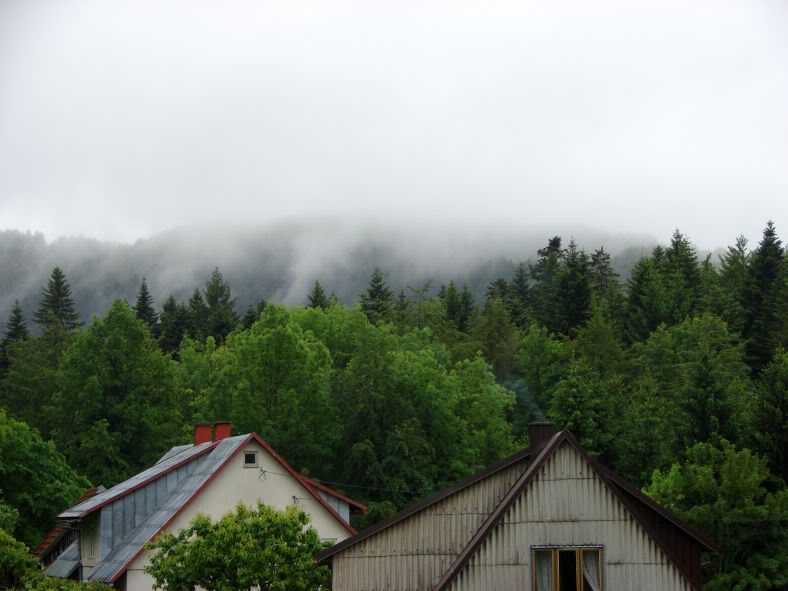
{"x":568,"y":504}
{"x":413,"y":554}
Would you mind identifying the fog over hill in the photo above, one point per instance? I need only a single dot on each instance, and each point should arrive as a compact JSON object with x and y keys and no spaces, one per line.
{"x":280,"y":260}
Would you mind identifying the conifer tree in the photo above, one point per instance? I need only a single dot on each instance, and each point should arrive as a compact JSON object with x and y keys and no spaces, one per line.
{"x":145,"y":310}
{"x":574,"y":291}
{"x":57,"y":308}
{"x":377,"y":302}
{"x":519,"y":296}
{"x":452,"y":304}
{"x":402,"y":302}
{"x":497,"y":290}
{"x":222,"y":318}
{"x":544,"y":292}
{"x":602,"y":277}
{"x":197,"y":325}
{"x":16,"y":331}
{"x":467,"y":306}
{"x":680,"y":265}
{"x":253,"y":312}
{"x":734,"y":266}
{"x":175,"y":321}
{"x":761,"y":299}
{"x":317,"y":297}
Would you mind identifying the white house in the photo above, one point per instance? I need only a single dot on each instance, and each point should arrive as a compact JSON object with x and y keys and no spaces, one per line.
{"x":106,"y":533}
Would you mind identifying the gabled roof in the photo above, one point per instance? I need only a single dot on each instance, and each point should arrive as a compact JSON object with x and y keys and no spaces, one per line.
{"x":330,"y":491}
{"x":616,"y":485}
{"x":112,"y":566}
{"x":519,"y":456}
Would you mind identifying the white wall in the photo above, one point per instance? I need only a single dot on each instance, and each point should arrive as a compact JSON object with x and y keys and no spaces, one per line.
{"x":235,"y":484}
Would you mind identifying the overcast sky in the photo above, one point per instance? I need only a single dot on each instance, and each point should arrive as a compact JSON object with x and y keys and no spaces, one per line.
{"x":120,"y":119}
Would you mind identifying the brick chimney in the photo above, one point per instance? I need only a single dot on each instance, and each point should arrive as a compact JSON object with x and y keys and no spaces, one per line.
{"x":538,"y":436}
{"x":202,"y":434}
{"x":222,"y":431}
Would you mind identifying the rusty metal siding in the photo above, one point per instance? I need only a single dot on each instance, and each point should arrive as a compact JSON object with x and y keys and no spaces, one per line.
{"x":567,"y":503}
{"x":413,"y":554}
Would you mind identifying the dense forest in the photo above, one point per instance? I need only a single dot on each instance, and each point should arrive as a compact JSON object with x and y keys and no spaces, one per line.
{"x":676,"y":376}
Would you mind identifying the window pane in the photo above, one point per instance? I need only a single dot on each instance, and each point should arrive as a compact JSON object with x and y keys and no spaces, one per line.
{"x":544,"y":570}
{"x":592,"y":577}
{"x":567,"y":570}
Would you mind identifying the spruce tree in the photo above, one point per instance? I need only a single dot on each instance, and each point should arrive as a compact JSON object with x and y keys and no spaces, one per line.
{"x":603,"y":277}
{"x":734,"y":266}
{"x":377,"y":302}
{"x":467,"y":306}
{"x":174,"y":322}
{"x":197,"y":325}
{"x":452,"y":304}
{"x":544,"y":292}
{"x":402,"y":302}
{"x":761,"y":299}
{"x":497,"y":290}
{"x":16,"y":331}
{"x":574,"y":291}
{"x":519,"y":296}
{"x":253,"y":312}
{"x":682,"y":270}
{"x":57,"y":308}
{"x":317,"y":297}
{"x":145,"y":310}
{"x":222,"y":318}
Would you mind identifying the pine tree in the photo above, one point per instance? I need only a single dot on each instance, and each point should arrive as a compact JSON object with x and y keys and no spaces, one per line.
{"x":222,"y":318}
{"x":16,"y":331}
{"x":648,"y":302}
{"x":317,"y":297}
{"x":497,"y":290}
{"x":145,"y":310}
{"x":57,"y":307}
{"x":175,"y":321}
{"x":519,"y":296}
{"x":603,"y":277}
{"x":681,"y":268}
{"x":253,"y":312}
{"x":761,"y":299}
{"x":574,"y":291}
{"x":402,"y":303}
{"x":378,"y":301}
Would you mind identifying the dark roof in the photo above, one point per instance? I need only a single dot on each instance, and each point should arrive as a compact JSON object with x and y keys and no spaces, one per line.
{"x":328,"y":490}
{"x":616,"y":483}
{"x":57,"y":532}
{"x":426,"y":502}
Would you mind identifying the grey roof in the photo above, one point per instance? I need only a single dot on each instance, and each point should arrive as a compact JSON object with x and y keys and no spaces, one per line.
{"x":66,"y":563}
{"x":112,"y":565}
{"x":170,"y":461}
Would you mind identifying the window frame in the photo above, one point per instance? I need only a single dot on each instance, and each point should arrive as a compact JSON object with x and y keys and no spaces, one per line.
{"x":256,"y":458}
{"x":578,"y":550}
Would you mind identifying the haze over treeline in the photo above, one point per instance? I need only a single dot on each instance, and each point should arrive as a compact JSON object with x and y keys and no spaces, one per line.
{"x":279,"y":261}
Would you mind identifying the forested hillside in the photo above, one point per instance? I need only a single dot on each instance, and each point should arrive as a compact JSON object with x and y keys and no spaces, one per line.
{"x":676,"y":376}
{"x":280,"y":260}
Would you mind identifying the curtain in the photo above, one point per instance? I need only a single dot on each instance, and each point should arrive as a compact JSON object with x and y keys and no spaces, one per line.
{"x":544,"y":570}
{"x":591,"y":569}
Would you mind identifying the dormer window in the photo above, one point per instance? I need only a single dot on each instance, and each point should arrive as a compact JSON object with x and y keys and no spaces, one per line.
{"x":250,"y":459}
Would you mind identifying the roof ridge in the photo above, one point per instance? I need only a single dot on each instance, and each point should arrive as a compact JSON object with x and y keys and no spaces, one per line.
{"x":522,"y":483}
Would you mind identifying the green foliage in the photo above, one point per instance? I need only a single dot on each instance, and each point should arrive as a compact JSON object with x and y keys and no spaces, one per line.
{"x":317,"y":297}
{"x":116,"y":398}
{"x":378,"y":301}
{"x":543,"y":361}
{"x":173,"y":326}
{"x":145,"y":310}
{"x":768,"y":423}
{"x":724,"y":492}
{"x":57,"y":308}
{"x":498,"y":336}
{"x":34,"y":480}
{"x":16,"y":562}
{"x":249,"y":548}
{"x":15,"y":332}
{"x":221,"y":317}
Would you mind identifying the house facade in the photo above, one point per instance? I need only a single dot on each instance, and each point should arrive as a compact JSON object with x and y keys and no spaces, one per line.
{"x":210,"y":476}
{"x":550,"y":518}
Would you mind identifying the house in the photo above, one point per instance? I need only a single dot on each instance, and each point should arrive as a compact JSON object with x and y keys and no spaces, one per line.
{"x":108,"y":529}
{"x":548,"y":518}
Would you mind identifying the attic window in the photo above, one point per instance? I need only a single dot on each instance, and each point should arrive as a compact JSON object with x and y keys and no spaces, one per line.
{"x":567,"y":569}
{"x":250,"y":459}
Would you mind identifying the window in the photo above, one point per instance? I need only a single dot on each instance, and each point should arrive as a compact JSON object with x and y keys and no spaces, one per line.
{"x":566,"y":569}
{"x":250,"y":459}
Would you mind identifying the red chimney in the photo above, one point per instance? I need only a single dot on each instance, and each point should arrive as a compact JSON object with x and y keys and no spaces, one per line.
{"x":222,"y":431}
{"x":202,"y":434}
